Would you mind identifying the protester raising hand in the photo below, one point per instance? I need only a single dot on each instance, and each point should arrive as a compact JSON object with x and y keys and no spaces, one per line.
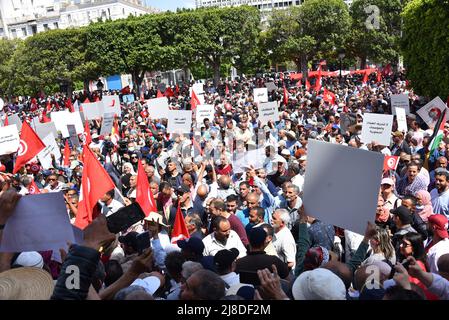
{"x":401,"y":277}
{"x":370,"y":232}
{"x":270,"y":285}
{"x":97,"y":234}
{"x":8,"y":201}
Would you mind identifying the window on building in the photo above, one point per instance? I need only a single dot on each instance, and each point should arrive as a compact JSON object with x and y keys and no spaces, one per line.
{"x":2,"y":32}
{"x":46,"y":27}
{"x":69,"y":18}
{"x":14,"y":33}
{"x":298,"y":3}
{"x":34,"y":29}
{"x":24,"y":31}
{"x":56,"y":25}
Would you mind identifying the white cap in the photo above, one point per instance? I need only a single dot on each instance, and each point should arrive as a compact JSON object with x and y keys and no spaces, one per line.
{"x":285,"y":152}
{"x":30,"y":259}
{"x":150,"y":284}
{"x":319,"y":284}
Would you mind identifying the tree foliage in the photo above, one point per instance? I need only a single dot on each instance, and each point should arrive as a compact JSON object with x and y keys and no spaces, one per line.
{"x":425,"y":46}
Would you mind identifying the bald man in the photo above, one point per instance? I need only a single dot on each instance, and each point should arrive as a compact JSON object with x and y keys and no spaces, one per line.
{"x":252,"y":201}
{"x":224,"y":187}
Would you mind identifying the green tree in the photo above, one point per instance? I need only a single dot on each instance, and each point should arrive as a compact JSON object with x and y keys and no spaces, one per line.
{"x":52,"y":58}
{"x":376,"y":39}
{"x":7,"y":49}
{"x":219,"y":34}
{"x":130,"y":46}
{"x":313,"y":30}
{"x":425,"y":46}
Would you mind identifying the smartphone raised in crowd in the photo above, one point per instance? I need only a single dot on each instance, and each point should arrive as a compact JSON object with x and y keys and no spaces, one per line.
{"x":125,"y":217}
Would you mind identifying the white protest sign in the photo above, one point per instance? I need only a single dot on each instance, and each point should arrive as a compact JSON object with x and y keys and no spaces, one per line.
{"x":401,"y":118}
{"x":158,"y":108}
{"x":255,"y":158}
{"x":204,"y":111}
{"x":239,"y":162}
{"x":260,"y":95}
{"x":60,"y":120}
{"x":14,"y":119}
{"x":93,"y":110}
{"x":38,"y":223}
{"x":108,"y":123}
{"x":44,"y":129}
{"x":75,"y":119}
{"x":76,"y":106}
{"x":271,"y":86}
{"x":111,"y":104}
{"x":431,"y":111}
{"x":268,"y":111}
{"x":73,"y":136}
{"x":377,"y":127}
{"x":198,"y":88}
{"x":179,"y":121}
{"x":327,"y":182}
{"x":400,"y":101}
{"x":9,"y":139}
{"x":2,"y":104}
{"x":51,"y":147}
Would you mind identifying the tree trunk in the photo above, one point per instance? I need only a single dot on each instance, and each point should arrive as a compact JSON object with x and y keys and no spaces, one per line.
{"x":187,"y":75}
{"x":86,"y":86}
{"x":69,"y":89}
{"x":303,"y":63}
{"x":362,"y":62}
{"x":216,"y":74}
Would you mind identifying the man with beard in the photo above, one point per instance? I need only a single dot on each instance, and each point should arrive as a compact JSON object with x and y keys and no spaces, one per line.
{"x":222,"y":237}
{"x":440,"y":195}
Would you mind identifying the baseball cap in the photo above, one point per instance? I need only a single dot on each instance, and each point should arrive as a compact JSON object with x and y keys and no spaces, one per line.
{"x":319,"y":284}
{"x":182,"y":189}
{"x":439,"y":224}
{"x":193,"y":244}
{"x":224,"y":258}
{"x":243,"y":290}
{"x":285,"y":152}
{"x":403,"y":213}
{"x":74,"y":164}
{"x":388,"y":181}
{"x":95,"y":136}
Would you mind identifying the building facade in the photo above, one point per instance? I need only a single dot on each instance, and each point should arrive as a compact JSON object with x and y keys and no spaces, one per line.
{"x":263,"y":5}
{"x":23,"y":18}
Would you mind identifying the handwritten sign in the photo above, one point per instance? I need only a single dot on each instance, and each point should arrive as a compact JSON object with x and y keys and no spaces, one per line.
{"x":129,"y":98}
{"x":377,"y":127}
{"x":268,"y":111}
{"x":400,"y":101}
{"x":271,"y":86}
{"x":179,"y":121}
{"x":204,"y":111}
{"x":108,"y":122}
{"x":63,"y":118}
{"x":9,"y":139}
{"x":51,"y":147}
{"x":44,"y":129}
{"x":260,"y":95}
{"x":93,"y":110}
{"x":431,"y":111}
{"x":401,"y":119}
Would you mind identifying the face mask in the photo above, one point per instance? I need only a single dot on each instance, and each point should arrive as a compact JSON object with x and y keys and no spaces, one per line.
{"x":420,"y":207}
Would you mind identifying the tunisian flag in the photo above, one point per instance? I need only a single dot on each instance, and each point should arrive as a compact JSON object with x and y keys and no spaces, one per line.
{"x":66,"y":154}
{"x":391,"y":162}
{"x":144,"y":196}
{"x":94,"y":184}
{"x":33,"y":189}
{"x":30,"y":145}
{"x":329,"y":96}
{"x":159,"y":94}
{"x":86,"y":134}
{"x":285,"y":96}
{"x":194,"y":100}
{"x":180,"y":231}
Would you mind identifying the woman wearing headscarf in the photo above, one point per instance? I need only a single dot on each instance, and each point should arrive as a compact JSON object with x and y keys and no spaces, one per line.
{"x":423,"y":204}
{"x":128,"y":171}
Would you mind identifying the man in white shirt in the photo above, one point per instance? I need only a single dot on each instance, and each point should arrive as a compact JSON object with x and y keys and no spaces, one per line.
{"x":440,"y":240}
{"x":222,"y":238}
{"x":53,"y":185}
{"x":440,"y":195}
{"x":109,"y":204}
{"x":283,"y":240}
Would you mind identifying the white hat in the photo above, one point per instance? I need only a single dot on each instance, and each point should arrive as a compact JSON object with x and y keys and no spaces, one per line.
{"x":285,"y":152}
{"x":155,"y":217}
{"x":30,"y":259}
{"x":303,"y":158}
{"x":95,"y":136}
{"x":319,"y":284}
{"x":150,"y":284}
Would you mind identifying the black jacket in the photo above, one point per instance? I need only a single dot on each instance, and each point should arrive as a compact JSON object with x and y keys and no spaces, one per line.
{"x":86,"y":260}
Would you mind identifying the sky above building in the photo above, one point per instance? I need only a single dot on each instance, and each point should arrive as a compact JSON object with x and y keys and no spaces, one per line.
{"x":171,"y":5}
